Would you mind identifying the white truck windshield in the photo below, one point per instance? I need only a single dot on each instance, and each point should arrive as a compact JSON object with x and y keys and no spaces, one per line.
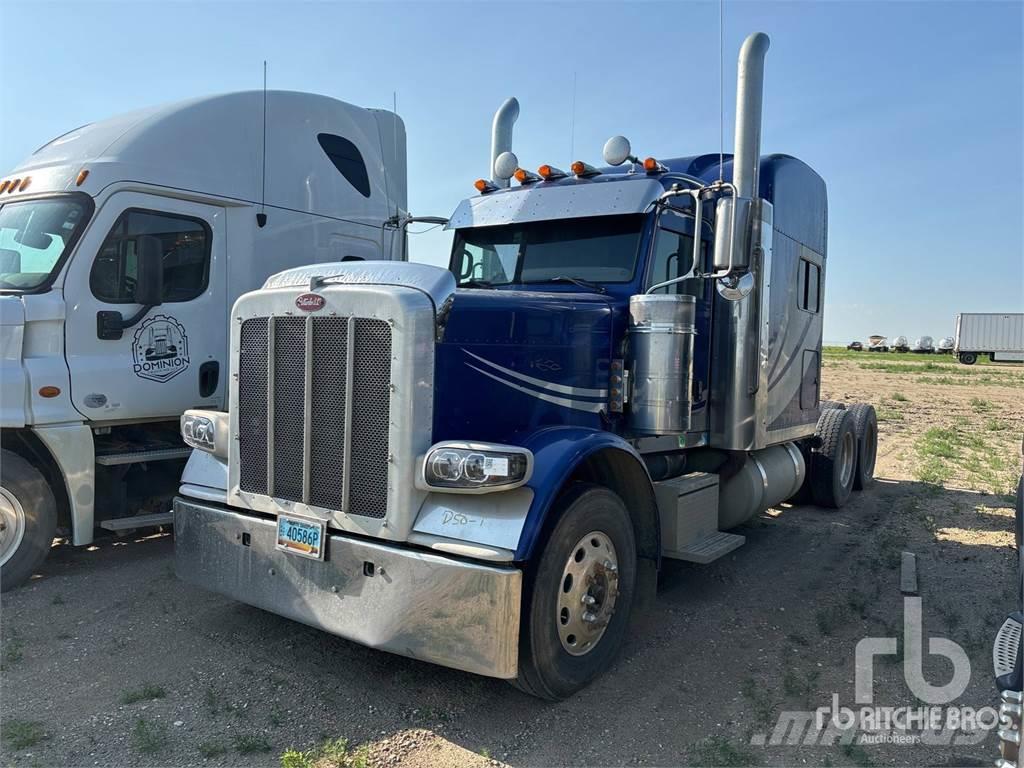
{"x":34,"y":236}
{"x":599,"y":249}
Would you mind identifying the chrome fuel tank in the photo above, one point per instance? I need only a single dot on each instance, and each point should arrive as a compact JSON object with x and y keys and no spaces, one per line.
{"x":661,"y":333}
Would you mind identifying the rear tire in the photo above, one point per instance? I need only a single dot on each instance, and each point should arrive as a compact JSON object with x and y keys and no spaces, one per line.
{"x":865,"y":426}
{"x":832,"y":404}
{"x":28,"y":519}
{"x":834,"y":462}
{"x":968,"y":358}
{"x":560,"y":649}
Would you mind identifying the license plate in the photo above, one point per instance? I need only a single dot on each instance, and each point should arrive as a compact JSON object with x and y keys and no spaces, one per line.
{"x":301,"y":536}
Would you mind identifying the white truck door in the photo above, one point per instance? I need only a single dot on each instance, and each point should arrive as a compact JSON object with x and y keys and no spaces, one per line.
{"x":174,"y":358}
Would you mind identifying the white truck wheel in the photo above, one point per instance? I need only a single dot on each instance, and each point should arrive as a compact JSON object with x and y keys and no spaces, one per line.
{"x":28,"y":519}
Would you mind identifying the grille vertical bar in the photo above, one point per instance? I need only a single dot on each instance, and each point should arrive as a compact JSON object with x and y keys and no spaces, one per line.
{"x":371,"y":398}
{"x":289,"y":405}
{"x":252,"y":406}
{"x":329,"y":385}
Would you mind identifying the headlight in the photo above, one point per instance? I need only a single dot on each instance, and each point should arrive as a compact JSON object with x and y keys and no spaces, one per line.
{"x":206,"y":430}
{"x":476,"y":467}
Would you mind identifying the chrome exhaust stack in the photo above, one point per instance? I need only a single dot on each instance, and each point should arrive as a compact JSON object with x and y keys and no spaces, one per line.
{"x":732,"y":240}
{"x":501,"y":136}
{"x":746,"y":159}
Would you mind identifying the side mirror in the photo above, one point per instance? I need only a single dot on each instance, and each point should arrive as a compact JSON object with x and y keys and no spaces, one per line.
{"x":149,"y":284}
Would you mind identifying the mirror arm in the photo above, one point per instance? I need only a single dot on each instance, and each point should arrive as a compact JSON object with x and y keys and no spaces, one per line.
{"x":110,"y":326}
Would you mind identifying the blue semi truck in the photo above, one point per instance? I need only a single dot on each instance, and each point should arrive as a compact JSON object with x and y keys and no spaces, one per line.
{"x":484,"y":466}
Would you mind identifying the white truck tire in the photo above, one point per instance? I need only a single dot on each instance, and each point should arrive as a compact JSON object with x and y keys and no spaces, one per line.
{"x":28,"y":519}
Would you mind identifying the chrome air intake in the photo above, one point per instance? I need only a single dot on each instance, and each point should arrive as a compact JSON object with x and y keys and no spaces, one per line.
{"x":661,"y":332}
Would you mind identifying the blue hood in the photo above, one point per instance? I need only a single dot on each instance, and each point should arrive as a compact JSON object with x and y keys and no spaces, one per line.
{"x":515,"y":361}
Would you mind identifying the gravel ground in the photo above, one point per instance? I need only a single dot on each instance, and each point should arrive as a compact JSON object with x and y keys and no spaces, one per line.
{"x":109,"y":660}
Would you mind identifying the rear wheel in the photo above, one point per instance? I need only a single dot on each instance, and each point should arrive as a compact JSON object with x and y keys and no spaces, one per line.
{"x":865,"y":426}
{"x":28,"y":519}
{"x":577,"y":611}
{"x":968,"y":358}
{"x":834,"y":462}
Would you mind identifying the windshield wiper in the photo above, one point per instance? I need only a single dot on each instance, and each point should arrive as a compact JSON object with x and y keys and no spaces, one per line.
{"x":476,"y":284}
{"x":596,"y":287}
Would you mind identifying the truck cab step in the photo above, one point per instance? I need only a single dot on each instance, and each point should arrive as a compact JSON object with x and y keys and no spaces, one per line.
{"x":709,"y":548}
{"x":139,"y":456}
{"x":138,"y":521}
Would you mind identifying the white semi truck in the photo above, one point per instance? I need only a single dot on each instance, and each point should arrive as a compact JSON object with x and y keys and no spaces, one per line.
{"x":123,"y":245}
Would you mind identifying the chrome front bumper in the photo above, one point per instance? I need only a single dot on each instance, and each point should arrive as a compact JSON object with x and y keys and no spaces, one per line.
{"x":417,"y":604}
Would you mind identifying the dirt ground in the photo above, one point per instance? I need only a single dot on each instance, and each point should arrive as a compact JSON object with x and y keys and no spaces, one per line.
{"x":109,"y":660}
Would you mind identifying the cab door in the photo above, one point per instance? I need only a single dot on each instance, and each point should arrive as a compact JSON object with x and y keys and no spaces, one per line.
{"x":173,"y":358}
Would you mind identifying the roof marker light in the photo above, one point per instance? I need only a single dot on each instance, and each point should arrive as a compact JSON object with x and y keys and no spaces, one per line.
{"x":82,"y":176}
{"x":651,"y":165}
{"x":583,"y":170}
{"x":523,"y":176}
{"x":14,"y":186}
{"x":549,"y":172}
{"x":24,"y":183}
{"x":3,"y":186}
{"x":483,"y":186}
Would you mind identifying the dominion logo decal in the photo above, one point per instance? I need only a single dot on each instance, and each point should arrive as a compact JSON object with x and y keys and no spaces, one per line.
{"x":160,"y":349}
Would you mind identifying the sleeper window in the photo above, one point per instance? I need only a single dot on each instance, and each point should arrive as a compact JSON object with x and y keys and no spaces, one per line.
{"x":185,"y":244}
{"x":809,"y":286}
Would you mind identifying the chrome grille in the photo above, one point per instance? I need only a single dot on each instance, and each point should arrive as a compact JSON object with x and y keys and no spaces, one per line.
{"x":328,"y":441}
{"x":370,"y":399}
{"x":330,"y":379}
{"x":289,"y":398}
{"x":252,"y":406}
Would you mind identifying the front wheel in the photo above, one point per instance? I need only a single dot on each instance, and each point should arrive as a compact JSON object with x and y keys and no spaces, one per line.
{"x":577,"y":610}
{"x":28,"y":519}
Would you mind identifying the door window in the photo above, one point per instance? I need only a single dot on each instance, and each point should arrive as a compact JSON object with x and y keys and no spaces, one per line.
{"x":673,"y":257}
{"x":186,"y":256}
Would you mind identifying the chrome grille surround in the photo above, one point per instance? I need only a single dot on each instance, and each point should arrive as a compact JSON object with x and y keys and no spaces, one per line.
{"x":346,"y":410}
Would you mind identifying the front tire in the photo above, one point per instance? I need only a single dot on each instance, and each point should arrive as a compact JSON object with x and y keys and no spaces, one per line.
{"x":577,"y":607}
{"x":834,"y":462}
{"x":28,"y":519}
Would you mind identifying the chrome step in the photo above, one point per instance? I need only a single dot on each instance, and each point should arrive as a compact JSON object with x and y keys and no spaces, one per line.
{"x":1007,"y":646}
{"x":137,"y":457}
{"x":139,"y":521}
{"x":709,"y":548}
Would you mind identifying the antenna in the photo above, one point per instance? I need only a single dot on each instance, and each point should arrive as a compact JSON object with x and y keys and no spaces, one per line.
{"x":572,"y":123}
{"x":721,"y":89}
{"x":261,"y":217}
{"x":394,"y":132}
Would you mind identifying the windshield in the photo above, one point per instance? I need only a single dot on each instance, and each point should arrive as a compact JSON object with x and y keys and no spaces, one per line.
{"x":599,"y":249}
{"x":34,"y":236}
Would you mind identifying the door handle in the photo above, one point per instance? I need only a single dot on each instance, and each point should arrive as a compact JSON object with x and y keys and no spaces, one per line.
{"x":209,"y":378}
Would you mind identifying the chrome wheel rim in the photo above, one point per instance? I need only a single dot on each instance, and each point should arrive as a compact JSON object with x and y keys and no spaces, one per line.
{"x":587,"y":593}
{"x":12,"y":524}
{"x":849,"y":450}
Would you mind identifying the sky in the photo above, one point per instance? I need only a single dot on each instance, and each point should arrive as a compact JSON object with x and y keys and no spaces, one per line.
{"x":910,"y":111}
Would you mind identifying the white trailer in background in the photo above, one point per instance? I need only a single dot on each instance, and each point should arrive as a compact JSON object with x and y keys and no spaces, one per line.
{"x":1000,"y":335}
{"x":123,"y":245}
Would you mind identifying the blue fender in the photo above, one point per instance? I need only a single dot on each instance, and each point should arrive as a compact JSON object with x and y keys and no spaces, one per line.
{"x":557,"y":452}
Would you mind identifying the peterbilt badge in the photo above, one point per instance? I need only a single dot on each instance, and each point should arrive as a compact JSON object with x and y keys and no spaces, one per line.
{"x":310,"y":302}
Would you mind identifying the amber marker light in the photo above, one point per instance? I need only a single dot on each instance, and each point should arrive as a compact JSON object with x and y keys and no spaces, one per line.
{"x":49,"y":391}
